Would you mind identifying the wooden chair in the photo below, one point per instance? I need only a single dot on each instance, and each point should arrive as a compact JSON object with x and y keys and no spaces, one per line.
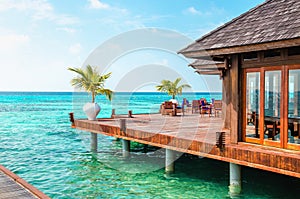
{"x":217,"y":107}
{"x":195,"y":106}
{"x":186,"y":106}
{"x":204,"y":107}
{"x":168,"y":108}
{"x":272,"y":129}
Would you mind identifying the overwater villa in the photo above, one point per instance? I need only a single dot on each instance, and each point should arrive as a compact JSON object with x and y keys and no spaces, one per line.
{"x":260,"y":56}
{"x":257,"y":56}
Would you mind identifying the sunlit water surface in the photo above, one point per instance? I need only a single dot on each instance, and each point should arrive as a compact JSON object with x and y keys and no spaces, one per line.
{"x":38,"y":144}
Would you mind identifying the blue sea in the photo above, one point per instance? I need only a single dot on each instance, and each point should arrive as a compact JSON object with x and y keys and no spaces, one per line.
{"x":37,"y":143}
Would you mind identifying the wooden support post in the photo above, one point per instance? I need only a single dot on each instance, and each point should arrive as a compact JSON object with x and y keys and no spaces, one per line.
{"x":170,"y":161}
{"x":235,"y":97}
{"x":123,"y":125}
{"x":113,"y":113}
{"x":72,"y":120}
{"x":125,"y":143}
{"x":94,"y":142}
{"x":130,"y":114}
{"x":145,"y":148}
{"x":126,"y":148}
{"x":235,"y":183}
{"x":226,"y":99}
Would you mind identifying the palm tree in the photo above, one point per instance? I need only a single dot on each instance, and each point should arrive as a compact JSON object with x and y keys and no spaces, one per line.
{"x":91,"y":81}
{"x":172,"y":88}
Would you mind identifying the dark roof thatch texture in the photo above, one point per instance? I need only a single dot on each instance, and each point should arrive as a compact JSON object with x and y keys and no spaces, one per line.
{"x":201,"y":62}
{"x":274,"y":20}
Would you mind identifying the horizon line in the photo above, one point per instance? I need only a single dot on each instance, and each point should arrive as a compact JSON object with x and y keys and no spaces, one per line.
{"x":114,"y":92}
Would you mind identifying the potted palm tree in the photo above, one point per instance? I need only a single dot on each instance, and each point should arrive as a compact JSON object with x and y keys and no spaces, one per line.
{"x":90,"y":80}
{"x":172,"y":88}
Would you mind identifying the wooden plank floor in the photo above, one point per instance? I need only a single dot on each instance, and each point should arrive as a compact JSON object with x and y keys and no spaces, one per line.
{"x":12,"y":187}
{"x":196,"y":135}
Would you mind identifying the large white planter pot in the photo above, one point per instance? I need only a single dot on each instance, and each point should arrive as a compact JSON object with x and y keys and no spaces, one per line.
{"x":91,"y":110}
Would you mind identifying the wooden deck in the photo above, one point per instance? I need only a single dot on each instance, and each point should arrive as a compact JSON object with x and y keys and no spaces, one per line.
{"x":196,"y":135}
{"x":12,"y":187}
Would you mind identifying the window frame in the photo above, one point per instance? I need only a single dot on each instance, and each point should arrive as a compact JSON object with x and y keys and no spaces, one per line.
{"x":284,"y":104}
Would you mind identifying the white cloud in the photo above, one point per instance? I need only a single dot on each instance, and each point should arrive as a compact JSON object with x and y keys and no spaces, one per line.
{"x":96,"y":4}
{"x":38,"y":10}
{"x":193,"y":11}
{"x":41,"y":8}
{"x":65,"y":19}
{"x":75,"y":49}
{"x":204,"y":12}
{"x":12,"y":41}
{"x":68,"y":30}
{"x":38,"y":5}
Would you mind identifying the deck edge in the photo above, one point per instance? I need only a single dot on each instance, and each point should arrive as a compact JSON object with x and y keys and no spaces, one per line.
{"x":24,"y":183}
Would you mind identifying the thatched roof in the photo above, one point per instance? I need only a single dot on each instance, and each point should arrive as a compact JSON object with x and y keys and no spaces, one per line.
{"x":208,"y":67}
{"x":203,"y":62}
{"x":272,"y":21}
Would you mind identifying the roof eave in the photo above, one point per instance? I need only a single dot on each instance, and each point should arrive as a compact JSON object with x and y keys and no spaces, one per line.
{"x":212,"y":66}
{"x":241,"y":49}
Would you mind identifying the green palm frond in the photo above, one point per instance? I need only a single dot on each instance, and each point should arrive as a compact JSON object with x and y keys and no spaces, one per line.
{"x":91,"y":81}
{"x":107,"y":92}
{"x":172,"y":88}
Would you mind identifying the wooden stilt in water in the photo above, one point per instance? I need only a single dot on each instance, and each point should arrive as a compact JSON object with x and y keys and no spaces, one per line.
{"x":125,"y":143}
{"x":145,"y":148}
{"x":170,"y":161}
{"x":126,"y":148}
{"x":235,"y":183}
{"x":94,"y":142}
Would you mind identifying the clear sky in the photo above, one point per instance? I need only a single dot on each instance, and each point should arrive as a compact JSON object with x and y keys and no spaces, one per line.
{"x":39,"y":39}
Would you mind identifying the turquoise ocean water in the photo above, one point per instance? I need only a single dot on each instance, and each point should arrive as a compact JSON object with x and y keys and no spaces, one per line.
{"x":37,"y":143}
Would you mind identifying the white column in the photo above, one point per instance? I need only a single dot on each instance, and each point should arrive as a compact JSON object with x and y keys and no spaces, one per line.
{"x":125,"y":143}
{"x":235,"y":184}
{"x":170,"y":161}
{"x":94,"y":142}
{"x":126,"y":148}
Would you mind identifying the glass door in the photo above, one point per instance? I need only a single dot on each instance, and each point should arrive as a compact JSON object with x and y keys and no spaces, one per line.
{"x":293,"y":135}
{"x":252,"y":103}
{"x":272,"y":107}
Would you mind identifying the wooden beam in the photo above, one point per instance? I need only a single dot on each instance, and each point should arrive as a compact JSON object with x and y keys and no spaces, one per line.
{"x":226,"y":63}
{"x":205,"y":68}
{"x":204,"y":62}
{"x":218,"y":66}
{"x":242,"y":49}
{"x":226,"y":98}
{"x":206,"y":72}
{"x":235,"y":97}
{"x":272,"y":62}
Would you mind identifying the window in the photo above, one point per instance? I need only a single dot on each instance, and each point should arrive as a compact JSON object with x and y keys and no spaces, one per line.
{"x":252,"y":104}
{"x":272,"y":96}
{"x":294,"y":107}
{"x":272,"y":106}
